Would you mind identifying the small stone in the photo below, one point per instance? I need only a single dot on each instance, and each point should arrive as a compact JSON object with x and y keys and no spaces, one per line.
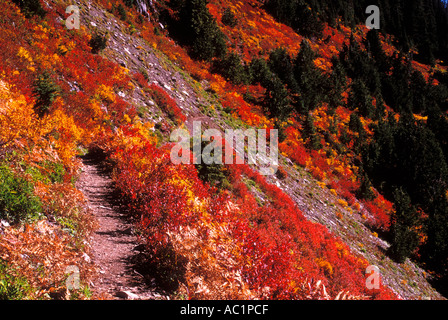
{"x":4,"y":223}
{"x":86,"y":257}
{"x":125,"y":294}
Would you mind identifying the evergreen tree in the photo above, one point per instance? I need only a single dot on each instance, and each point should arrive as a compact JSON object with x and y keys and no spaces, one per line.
{"x":197,"y":29}
{"x":375,"y":48}
{"x":45,"y":91}
{"x":435,"y":250}
{"x":277,"y":100}
{"x":309,"y":79}
{"x":422,"y":24}
{"x":395,"y":88}
{"x":380,"y":109}
{"x":231,"y":68}
{"x":405,"y":219}
{"x":438,"y":124}
{"x":359,"y":99}
{"x":228,"y":18}
{"x":355,"y":124}
{"x":31,"y":8}
{"x":365,"y":190}
{"x":359,"y":65}
{"x":259,"y":72}
{"x":98,"y":42}
{"x":310,"y":133}
{"x":336,"y":84}
{"x":297,"y":14}
{"x":307,"y":22}
{"x":417,"y":87}
{"x":280,"y":63}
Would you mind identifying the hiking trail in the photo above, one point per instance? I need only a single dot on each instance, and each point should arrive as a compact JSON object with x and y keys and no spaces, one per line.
{"x":115,"y":248}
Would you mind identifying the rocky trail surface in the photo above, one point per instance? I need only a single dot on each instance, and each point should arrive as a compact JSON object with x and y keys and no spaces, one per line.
{"x":115,"y":248}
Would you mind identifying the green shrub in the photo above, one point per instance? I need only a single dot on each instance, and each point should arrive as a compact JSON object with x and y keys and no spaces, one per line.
{"x":213,"y":174}
{"x":30,"y":8}
{"x":98,"y":43}
{"x":45,"y":91}
{"x":51,"y":172}
{"x":17,"y":200}
{"x":11,"y":286}
{"x":198,"y":29}
{"x":405,"y":220}
{"x":122,"y":12}
{"x":228,"y":18}
{"x":231,"y":68}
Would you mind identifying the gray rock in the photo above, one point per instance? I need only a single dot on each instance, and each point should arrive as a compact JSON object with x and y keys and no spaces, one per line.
{"x":128,"y":295}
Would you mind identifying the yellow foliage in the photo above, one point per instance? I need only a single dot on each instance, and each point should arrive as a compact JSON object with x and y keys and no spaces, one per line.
{"x":127,"y":118}
{"x":420,"y":118}
{"x":326,"y":266}
{"x":106,"y":93}
{"x":343,"y":203}
{"x":68,"y":135}
{"x":342,"y":251}
{"x":25,"y":55}
{"x":17,"y":120}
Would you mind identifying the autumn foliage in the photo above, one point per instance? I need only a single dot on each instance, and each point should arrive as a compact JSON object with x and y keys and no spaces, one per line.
{"x":215,"y":243}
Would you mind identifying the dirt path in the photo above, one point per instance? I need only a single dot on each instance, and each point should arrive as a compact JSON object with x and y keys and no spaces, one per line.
{"x":114,"y":246}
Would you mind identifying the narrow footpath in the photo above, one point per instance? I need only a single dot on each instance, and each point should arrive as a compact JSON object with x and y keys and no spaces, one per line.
{"x":114,"y":246}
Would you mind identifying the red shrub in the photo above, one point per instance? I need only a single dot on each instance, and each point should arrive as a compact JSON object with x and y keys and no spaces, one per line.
{"x":166,"y":103}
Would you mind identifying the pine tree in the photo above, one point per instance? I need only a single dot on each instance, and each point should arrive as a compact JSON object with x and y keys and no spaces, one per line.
{"x":405,"y":219}
{"x":395,"y":88}
{"x":280,"y":63}
{"x":200,"y":31}
{"x":435,"y":250}
{"x":45,"y":91}
{"x":259,"y":72}
{"x":375,"y":48}
{"x":98,"y":42}
{"x":307,"y":21}
{"x":336,"y":84}
{"x":310,"y":133}
{"x":365,"y":190}
{"x":31,"y":8}
{"x":277,"y":99}
{"x":418,"y":87}
{"x":231,"y":68}
{"x":309,"y":79}
{"x":228,"y":18}
{"x":359,"y":99}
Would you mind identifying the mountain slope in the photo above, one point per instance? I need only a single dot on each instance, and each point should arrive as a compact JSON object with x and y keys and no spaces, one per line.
{"x":323,"y":209}
{"x":226,"y":226}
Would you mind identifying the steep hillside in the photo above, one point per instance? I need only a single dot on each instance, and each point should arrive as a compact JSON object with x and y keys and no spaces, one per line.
{"x":137,"y":70}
